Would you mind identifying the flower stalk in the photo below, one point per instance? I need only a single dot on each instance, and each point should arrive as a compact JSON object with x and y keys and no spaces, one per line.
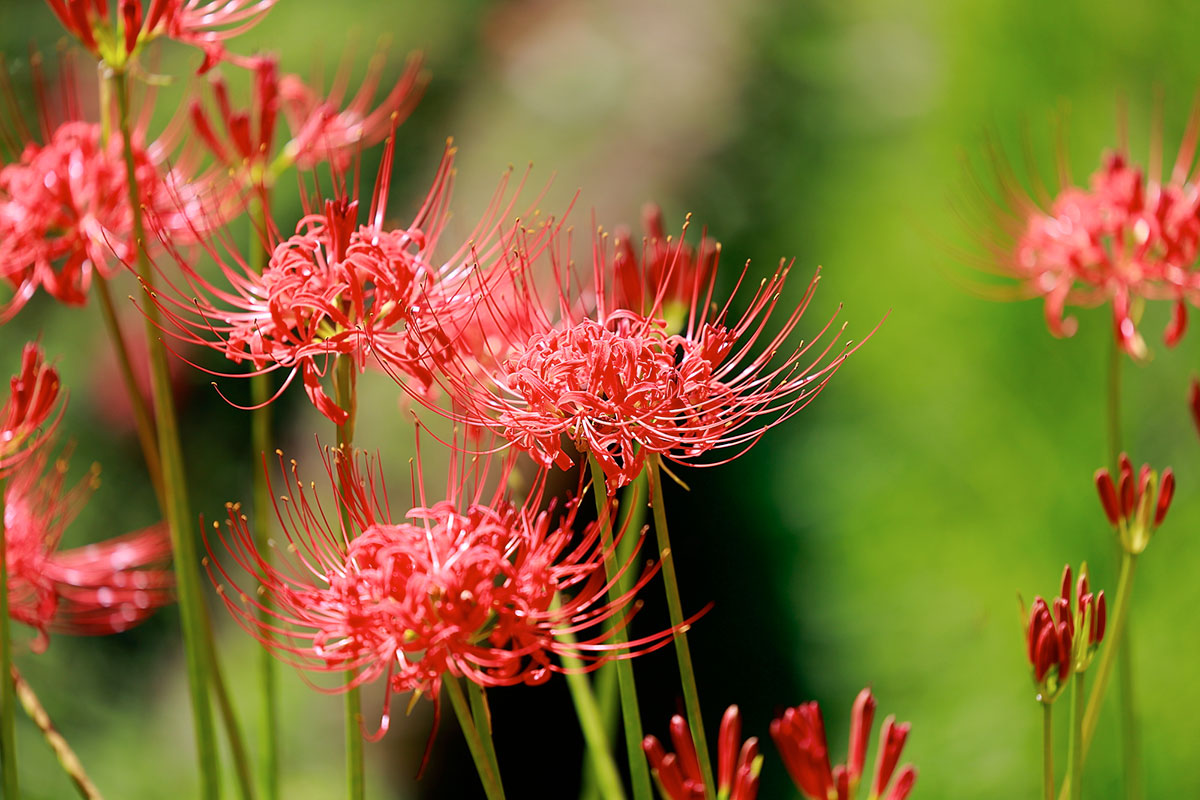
{"x":638,"y":770}
{"x":345,"y":395}
{"x":8,"y":733}
{"x":687,"y":674}
{"x":260,"y":444}
{"x":1048,"y":751}
{"x":601,"y":779}
{"x":604,"y":688}
{"x":492,"y":786}
{"x":62,"y":750}
{"x":191,"y":600}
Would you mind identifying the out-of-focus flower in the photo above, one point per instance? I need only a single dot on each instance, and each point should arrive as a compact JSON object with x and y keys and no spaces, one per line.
{"x":1136,"y":504}
{"x":1061,"y":642}
{"x":799,"y":733}
{"x":476,"y":585}
{"x":116,"y":38}
{"x":31,"y":411}
{"x":321,"y":130}
{"x":617,"y":383}
{"x":666,"y":272}
{"x":1129,"y":236}
{"x":93,"y":590}
{"x":65,"y":214}
{"x":678,"y":774}
{"x":1194,"y":403}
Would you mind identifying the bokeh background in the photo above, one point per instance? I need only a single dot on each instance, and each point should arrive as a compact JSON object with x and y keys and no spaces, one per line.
{"x":881,"y":537}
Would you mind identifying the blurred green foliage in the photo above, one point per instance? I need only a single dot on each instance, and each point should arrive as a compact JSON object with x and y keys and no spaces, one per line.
{"x":879,"y":538}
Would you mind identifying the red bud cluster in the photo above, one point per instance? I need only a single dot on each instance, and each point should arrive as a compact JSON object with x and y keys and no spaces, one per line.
{"x":1054,"y":641}
{"x":678,"y":774}
{"x":800,"y":736}
{"x":33,"y":396}
{"x":1135,"y":506}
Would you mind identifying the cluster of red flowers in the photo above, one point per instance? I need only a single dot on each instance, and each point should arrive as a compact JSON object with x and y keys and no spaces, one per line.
{"x":800,"y":736}
{"x":470,"y":586}
{"x":1054,"y":647}
{"x":1128,"y":236}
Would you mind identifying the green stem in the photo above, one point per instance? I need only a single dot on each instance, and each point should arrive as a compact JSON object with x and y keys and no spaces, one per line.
{"x":633,"y":500}
{"x":482,"y":715}
{"x":62,"y":750}
{"x":260,"y":444}
{"x":1130,"y":751}
{"x":187,"y":572}
{"x":687,"y":675}
{"x":141,"y":414}
{"x":639,"y":772}
{"x":491,"y":780}
{"x":233,"y":731}
{"x":8,"y":730}
{"x":1047,"y":751}
{"x":601,"y":777}
{"x":344,"y":391}
{"x":1104,"y":670}
{"x":1074,"y":779}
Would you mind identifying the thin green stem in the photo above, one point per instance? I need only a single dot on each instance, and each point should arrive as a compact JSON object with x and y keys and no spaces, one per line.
{"x":8,"y":730}
{"x":490,"y":779}
{"x":62,"y":750}
{"x":1074,"y":779}
{"x":1104,"y":669}
{"x":345,"y":393}
{"x":233,"y":731}
{"x":482,"y":715}
{"x":260,"y":444}
{"x":633,"y":501}
{"x":1130,"y":749}
{"x":639,"y":771}
{"x":1048,"y":751}
{"x":600,"y":775}
{"x":687,"y":674}
{"x":143,"y":421}
{"x":187,"y":572}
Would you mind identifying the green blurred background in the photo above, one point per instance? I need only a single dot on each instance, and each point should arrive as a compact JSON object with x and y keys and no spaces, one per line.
{"x":879,"y":538}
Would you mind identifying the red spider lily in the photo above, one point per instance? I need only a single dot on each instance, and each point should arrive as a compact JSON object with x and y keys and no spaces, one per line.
{"x":28,"y":416}
{"x":116,"y":39}
{"x":320,"y":129}
{"x":1135,"y":506}
{"x":678,"y":774}
{"x":475,"y":585}
{"x":617,"y":382}
{"x":1052,"y":644}
{"x":1131,"y":235}
{"x":65,"y":213}
{"x":667,"y":264}
{"x":337,"y":288}
{"x":799,"y":733}
{"x":93,"y":590}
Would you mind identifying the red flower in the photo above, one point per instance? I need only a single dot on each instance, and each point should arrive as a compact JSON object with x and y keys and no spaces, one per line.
{"x":475,"y":585}
{"x":116,"y":39}
{"x":1129,"y":236}
{"x":1135,"y":506}
{"x":28,"y":415}
{"x":65,"y":213}
{"x":678,"y":774}
{"x":93,"y":590}
{"x":320,"y":129}
{"x":799,"y":733}
{"x":665,"y":272}
{"x":1052,"y":645}
{"x":619,"y":383}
